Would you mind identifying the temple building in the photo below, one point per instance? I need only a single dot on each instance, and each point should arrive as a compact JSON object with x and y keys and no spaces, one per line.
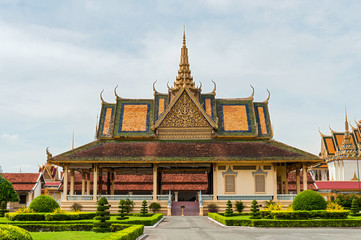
{"x":341,"y":154}
{"x":183,"y":145}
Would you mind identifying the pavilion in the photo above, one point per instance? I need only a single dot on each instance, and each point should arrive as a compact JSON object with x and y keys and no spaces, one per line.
{"x":184,"y":145}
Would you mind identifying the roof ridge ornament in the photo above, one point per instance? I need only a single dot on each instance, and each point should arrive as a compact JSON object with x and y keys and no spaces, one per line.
{"x":322,"y":135}
{"x":269,"y":95}
{"x":48,"y":154}
{"x":115,"y":92}
{"x":154,"y":91}
{"x":214,"y":88}
{"x":329,"y":126}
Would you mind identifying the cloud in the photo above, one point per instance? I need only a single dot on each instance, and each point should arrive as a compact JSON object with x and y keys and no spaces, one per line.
{"x":9,"y":138}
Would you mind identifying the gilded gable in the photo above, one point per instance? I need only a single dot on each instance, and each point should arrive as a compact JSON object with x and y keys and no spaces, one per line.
{"x":184,"y":114}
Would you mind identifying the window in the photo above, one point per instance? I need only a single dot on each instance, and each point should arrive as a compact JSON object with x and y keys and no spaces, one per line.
{"x":221,"y":167}
{"x":22,"y":199}
{"x":267,"y":167}
{"x":244,"y":167}
{"x":230,"y":183}
{"x":260,"y":183}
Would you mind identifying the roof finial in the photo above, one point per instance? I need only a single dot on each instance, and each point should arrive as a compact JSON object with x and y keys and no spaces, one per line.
{"x":184,"y":35}
{"x":346,"y":122}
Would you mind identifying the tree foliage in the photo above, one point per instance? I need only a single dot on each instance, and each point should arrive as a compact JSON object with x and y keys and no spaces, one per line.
{"x":309,"y":200}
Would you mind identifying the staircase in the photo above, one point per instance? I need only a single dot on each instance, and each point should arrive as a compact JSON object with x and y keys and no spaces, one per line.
{"x":190,"y":208}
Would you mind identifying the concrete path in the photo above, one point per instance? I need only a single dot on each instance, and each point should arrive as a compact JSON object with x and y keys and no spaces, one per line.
{"x":197,"y":228}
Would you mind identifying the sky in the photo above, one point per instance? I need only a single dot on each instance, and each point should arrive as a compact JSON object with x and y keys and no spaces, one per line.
{"x":57,"y":56}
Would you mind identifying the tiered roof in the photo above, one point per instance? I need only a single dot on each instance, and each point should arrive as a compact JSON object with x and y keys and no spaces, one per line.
{"x":24,"y":181}
{"x":341,"y":145}
{"x":184,"y":125}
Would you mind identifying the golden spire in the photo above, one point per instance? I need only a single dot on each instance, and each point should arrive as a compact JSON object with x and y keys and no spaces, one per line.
{"x":184,"y":78}
{"x":346,"y":122}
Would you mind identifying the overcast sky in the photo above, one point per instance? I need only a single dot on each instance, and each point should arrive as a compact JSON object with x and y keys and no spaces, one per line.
{"x":56,"y":56}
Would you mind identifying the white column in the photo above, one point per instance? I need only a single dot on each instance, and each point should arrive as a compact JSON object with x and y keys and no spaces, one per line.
{"x":215,"y":192}
{"x":176,"y":196}
{"x":82,"y":183}
{"x":155,"y":177}
{"x":65,"y":183}
{"x":71,"y":182}
{"x":88,"y":184}
{"x":275,"y":197}
{"x":304,"y":176}
{"x":286,"y":182}
{"x":95,"y":182}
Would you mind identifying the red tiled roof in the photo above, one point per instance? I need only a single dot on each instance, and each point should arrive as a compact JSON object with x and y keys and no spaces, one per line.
{"x":337,"y":185}
{"x":184,"y":178}
{"x":219,"y":150}
{"x":22,"y":181}
{"x":185,"y":186}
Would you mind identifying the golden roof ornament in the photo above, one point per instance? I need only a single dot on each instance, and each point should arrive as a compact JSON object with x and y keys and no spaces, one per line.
{"x":184,"y":78}
{"x":347,"y":150}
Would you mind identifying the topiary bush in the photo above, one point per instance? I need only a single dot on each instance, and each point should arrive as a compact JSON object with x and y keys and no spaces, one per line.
{"x":9,"y":232}
{"x":129,"y":205}
{"x":101,"y":224}
{"x":43,"y":203}
{"x":154,"y":206}
{"x":239,"y":206}
{"x":229,"y":209}
{"x":255,"y":214}
{"x":122,"y":209}
{"x":354,"y":207}
{"x":309,"y":200}
{"x":144,"y":209}
{"x":76,"y":207}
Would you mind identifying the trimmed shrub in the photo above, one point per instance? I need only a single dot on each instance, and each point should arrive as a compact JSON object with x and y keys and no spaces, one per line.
{"x":154,"y":206}
{"x":76,"y":207}
{"x":319,"y":214}
{"x":24,"y":210}
{"x":43,"y":203}
{"x":129,"y":205}
{"x":229,"y":209}
{"x":239,"y":206}
{"x":309,"y":200}
{"x":265,"y":214}
{"x":131,"y":232}
{"x":212,"y":208}
{"x":101,"y":224}
{"x":69,"y":216}
{"x":8,"y":232}
{"x":354,"y":207}
{"x":144,"y":209}
{"x":146,"y":221}
{"x":60,"y":227}
{"x":25,"y":216}
{"x":122,"y":209}
{"x":255,"y":214}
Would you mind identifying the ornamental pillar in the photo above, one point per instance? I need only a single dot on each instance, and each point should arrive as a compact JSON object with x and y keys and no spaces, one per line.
{"x":155,"y":176}
{"x":286,"y":182}
{"x":65,"y":183}
{"x":215,"y":182}
{"x":304,"y":176}
{"x":297,"y":180}
{"x":88,"y":183}
{"x":275,"y":196}
{"x":71,"y":182}
{"x":82,"y":183}
{"x":95,"y":182}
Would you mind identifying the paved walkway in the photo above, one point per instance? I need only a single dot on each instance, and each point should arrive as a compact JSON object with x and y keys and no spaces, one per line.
{"x":197,"y":228}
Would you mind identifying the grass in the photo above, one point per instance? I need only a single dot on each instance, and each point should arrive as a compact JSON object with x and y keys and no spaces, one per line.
{"x":68,"y":235}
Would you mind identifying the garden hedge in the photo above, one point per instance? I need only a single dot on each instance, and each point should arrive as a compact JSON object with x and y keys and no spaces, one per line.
{"x":8,"y":232}
{"x":43,"y":203}
{"x":234,"y":221}
{"x":69,"y":216}
{"x":130,"y":233}
{"x":25,"y":216}
{"x":150,"y":221}
{"x":321,"y":214}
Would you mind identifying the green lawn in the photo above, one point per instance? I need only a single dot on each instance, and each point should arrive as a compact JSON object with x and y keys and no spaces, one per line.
{"x":68,"y":235}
